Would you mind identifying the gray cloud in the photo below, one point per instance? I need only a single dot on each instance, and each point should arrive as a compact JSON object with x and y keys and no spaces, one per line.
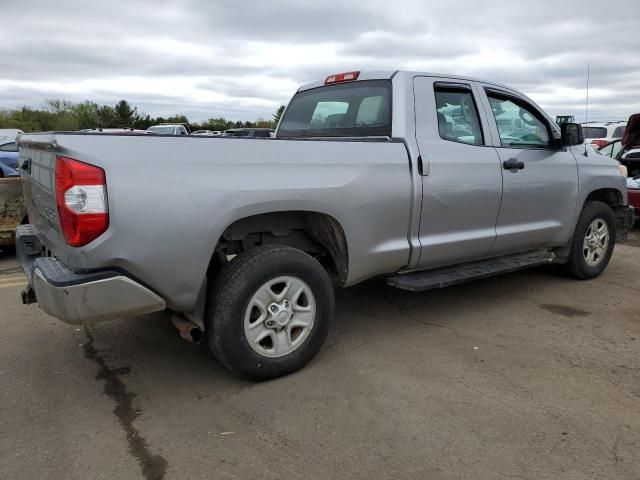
{"x":242,"y":59}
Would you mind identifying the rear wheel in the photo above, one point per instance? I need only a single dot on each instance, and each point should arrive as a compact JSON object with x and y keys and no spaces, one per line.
{"x":270,"y":313}
{"x":593,"y":241}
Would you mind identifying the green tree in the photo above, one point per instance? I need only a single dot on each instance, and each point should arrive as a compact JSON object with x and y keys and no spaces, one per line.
{"x":125,"y":115}
{"x":278,"y":115}
{"x":106,"y":117}
{"x":177,"y":118}
{"x":60,"y":114}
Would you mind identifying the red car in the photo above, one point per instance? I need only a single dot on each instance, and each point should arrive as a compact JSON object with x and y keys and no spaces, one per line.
{"x":631,"y":160}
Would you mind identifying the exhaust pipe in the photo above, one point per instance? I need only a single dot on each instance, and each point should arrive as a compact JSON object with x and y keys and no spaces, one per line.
{"x":28,"y":296}
{"x":188,"y":330}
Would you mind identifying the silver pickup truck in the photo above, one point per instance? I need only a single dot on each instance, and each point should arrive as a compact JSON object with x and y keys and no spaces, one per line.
{"x":428,"y":180}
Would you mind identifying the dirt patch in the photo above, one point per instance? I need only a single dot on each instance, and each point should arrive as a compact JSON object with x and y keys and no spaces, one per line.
{"x":565,"y":310}
{"x":12,"y":209}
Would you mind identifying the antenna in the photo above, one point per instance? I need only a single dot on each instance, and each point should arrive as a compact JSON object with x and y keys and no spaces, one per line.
{"x":586,"y":111}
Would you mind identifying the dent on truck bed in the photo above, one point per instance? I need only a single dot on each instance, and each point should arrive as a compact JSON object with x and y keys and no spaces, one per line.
{"x":12,"y":209}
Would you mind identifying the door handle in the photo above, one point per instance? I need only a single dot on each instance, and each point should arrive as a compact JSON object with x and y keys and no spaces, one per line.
{"x":513,"y":164}
{"x":423,"y":169}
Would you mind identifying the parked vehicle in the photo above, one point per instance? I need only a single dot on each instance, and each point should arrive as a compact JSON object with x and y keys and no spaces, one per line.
{"x":207,"y":133}
{"x":398,"y":174}
{"x":8,"y":158}
{"x":169,"y":129}
{"x":601,"y":133}
{"x":631,"y":161}
{"x":249,"y":132}
{"x":627,"y":151}
{"x":6,"y":171}
{"x":122,"y":131}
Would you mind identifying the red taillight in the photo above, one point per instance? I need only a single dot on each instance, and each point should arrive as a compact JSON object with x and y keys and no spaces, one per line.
{"x":599,"y":143}
{"x":81,"y":197}
{"x":341,"y":77}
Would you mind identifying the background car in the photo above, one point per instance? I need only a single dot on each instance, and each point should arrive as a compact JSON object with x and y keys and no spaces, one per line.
{"x":169,"y":129}
{"x":207,"y":133}
{"x":120,"y":131}
{"x":8,"y":158}
{"x":601,"y":133}
{"x":631,"y":160}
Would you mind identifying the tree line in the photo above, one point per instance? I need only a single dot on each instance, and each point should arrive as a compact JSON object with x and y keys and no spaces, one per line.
{"x":66,"y":115}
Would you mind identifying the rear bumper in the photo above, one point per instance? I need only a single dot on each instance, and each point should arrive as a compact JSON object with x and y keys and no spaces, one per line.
{"x":79,"y":298}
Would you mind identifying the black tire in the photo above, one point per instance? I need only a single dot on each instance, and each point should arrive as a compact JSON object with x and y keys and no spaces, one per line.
{"x":577,"y":265}
{"x":231,"y":294}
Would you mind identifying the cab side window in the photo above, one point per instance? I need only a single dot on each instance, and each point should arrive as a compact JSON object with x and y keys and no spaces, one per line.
{"x":519,"y":126}
{"x":458,"y":119}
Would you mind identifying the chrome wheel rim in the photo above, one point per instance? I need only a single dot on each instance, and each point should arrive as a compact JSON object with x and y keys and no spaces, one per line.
{"x":596,"y":242}
{"x":279,"y":316}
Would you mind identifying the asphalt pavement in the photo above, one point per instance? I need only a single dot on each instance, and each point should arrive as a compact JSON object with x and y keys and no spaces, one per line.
{"x":526,"y":376}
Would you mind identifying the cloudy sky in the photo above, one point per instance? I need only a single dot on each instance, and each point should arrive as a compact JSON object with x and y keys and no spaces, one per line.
{"x":241,"y":59}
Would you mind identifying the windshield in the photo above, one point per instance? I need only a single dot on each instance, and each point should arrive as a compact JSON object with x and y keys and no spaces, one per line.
{"x":161,"y":130}
{"x":357,"y":109}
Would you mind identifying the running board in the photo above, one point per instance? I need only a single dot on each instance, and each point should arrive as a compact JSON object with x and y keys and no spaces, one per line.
{"x":465,"y":272}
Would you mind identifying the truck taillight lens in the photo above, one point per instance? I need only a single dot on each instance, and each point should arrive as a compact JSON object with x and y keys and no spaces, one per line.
{"x":341,"y":77}
{"x":599,"y":143}
{"x":81,"y":197}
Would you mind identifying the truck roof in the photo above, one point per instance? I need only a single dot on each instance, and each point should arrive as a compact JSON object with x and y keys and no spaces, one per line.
{"x":389,"y":74}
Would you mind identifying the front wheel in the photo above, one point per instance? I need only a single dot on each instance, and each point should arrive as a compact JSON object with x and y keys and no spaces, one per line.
{"x":270,"y":313}
{"x":593,"y":241}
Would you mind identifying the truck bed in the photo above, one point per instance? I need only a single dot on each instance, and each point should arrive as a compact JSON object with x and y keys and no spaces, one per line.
{"x":171,"y":198}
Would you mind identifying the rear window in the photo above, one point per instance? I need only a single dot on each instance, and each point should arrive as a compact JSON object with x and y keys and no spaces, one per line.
{"x":595,"y":132}
{"x":356,"y":109}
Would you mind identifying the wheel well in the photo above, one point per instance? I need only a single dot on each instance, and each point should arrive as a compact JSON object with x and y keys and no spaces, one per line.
{"x":318,"y":234}
{"x":610,"y":196}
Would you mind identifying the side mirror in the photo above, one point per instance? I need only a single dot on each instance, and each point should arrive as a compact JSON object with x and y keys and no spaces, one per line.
{"x":571,"y":134}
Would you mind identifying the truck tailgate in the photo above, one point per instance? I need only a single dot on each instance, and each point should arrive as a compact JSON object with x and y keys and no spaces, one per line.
{"x":37,"y":170}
